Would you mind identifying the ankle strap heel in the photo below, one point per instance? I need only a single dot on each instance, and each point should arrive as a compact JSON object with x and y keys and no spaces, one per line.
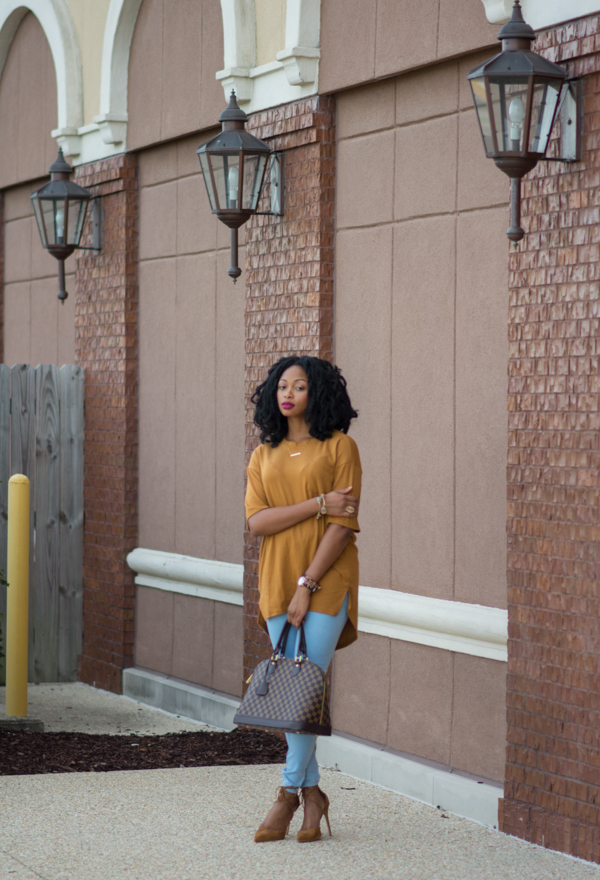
{"x":314,"y":795}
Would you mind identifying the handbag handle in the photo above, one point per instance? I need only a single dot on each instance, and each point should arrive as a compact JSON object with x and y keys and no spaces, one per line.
{"x":282,"y":642}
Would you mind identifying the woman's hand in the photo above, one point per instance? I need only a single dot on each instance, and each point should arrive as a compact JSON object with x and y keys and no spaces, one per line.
{"x":299,"y":606}
{"x":337,"y":502}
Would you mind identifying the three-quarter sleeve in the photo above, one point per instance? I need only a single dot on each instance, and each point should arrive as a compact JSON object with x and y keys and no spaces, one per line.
{"x":256,"y":498}
{"x":347,"y":472}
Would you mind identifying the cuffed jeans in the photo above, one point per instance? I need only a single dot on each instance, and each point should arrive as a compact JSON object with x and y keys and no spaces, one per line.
{"x":322,"y":633}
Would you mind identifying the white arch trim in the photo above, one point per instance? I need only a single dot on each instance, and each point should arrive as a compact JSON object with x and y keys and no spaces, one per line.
{"x":291,"y":75}
{"x":55,"y":18}
{"x":300,"y":58}
{"x":303,"y":23}
{"x":239,"y":48}
{"x":118,"y":33}
{"x":239,"y":33}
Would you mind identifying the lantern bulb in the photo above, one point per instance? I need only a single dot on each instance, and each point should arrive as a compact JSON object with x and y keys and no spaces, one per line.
{"x":234,"y":178}
{"x":516,"y":110}
{"x":60,"y":225}
{"x":516,"y":114}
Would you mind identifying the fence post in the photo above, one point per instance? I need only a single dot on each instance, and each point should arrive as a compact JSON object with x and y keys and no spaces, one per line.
{"x":17,"y":575}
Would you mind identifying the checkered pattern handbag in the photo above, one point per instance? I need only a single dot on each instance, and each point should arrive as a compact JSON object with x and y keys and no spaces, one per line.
{"x":286,"y":694}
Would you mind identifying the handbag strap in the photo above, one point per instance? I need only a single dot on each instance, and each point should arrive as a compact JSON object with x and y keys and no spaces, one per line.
{"x":282,"y":641}
{"x":302,"y":652}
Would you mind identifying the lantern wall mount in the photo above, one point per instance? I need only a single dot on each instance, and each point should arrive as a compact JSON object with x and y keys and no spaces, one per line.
{"x":236,"y":167}
{"x":60,"y":208}
{"x":518,"y":96}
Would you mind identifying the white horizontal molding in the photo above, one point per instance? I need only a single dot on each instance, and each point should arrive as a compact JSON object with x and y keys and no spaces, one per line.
{"x":439,"y":623}
{"x":204,"y":578}
{"x":452,"y":626}
{"x":540,"y":14}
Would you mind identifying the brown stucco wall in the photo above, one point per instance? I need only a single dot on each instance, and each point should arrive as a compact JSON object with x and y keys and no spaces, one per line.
{"x":36,"y":328}
{"x":27,"y":106}
{"x":189,"y":638}
{"x":420,"y":333}
{"x":191,"y":365}
{"x":191,"y":406}
{"x":395,"y":36}
{"x":172,"y":66}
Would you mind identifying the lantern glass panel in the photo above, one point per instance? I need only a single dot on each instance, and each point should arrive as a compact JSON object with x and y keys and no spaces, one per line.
{"x":53,"y":211}
{"x":544,"y":106}
{"x":226,"y":171}
{"x":40,"y":221}
{"x":76,"y":219}
{"x":254,"y":166}
{"x":205,"y":166}
{"x":480,"y":100}
{"x":509,"y":102}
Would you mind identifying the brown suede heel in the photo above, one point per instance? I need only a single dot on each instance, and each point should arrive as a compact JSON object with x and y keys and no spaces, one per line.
{"x":312,"y":794}
{"x":292,"y":802}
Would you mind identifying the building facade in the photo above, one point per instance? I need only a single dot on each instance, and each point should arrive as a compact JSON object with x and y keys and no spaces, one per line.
{"x":474,"y":682}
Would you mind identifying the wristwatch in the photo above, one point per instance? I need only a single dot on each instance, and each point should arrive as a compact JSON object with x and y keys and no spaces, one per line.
{"x":309,"y":583}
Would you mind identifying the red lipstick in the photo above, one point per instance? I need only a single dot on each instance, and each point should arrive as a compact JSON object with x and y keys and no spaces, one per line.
{"x":287,"y":405}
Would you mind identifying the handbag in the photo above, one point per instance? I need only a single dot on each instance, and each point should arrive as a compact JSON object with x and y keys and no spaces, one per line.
{"x":287,"y":694}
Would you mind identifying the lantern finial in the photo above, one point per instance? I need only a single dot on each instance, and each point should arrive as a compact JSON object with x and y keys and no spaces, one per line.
{"x":517,"y":28}
{"x":233,"y":113}
{"x":60,"y":164}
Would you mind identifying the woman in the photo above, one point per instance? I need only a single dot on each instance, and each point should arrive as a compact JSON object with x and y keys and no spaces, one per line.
{"x":302,"y":499}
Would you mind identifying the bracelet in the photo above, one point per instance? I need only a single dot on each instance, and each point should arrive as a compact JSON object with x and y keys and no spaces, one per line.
{"x":322,"y":508}
{"x":309,"y":583}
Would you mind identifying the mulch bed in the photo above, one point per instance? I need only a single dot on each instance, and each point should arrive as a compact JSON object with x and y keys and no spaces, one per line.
{"x":28,"y":753}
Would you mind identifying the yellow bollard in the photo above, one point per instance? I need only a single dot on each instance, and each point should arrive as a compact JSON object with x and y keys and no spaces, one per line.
{"x":17,"y":607}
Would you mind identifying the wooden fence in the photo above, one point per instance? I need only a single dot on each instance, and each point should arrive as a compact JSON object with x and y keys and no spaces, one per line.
{"x":41,"y":436}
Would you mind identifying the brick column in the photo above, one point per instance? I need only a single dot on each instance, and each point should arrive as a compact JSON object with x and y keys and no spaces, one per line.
{"x":289,"y":282}
{"x":552,"y":789}
{"x":106,"y":315}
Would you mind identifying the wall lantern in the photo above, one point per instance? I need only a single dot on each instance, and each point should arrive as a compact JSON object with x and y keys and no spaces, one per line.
{"x":60,"y":209}
{"x":233,"y":166}
{"x":518,"y":96}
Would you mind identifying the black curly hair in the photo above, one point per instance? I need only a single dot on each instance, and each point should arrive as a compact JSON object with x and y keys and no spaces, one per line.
{"x":329,"y":408}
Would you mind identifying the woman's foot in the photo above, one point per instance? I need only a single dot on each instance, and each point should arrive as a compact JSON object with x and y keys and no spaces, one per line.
{"x":316,"y":803}
{"x":277,"y":821}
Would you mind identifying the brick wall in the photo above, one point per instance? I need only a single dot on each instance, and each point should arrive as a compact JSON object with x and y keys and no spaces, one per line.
{"x":552,"y":790}
{"x":289,"y":282}
{"x":106,"y":317}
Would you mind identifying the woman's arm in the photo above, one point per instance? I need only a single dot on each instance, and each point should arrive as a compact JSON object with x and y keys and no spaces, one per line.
{"x":272,"y":520}
{"x":329,"y":550}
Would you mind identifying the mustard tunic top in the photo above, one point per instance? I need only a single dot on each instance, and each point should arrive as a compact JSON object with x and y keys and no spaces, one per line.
{"x":288,"y":474}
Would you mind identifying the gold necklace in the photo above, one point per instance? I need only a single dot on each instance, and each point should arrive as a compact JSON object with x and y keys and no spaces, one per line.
{"x":294,"y":454}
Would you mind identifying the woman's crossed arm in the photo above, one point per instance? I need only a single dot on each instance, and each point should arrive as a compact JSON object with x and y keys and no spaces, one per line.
{"x":272,"y":520}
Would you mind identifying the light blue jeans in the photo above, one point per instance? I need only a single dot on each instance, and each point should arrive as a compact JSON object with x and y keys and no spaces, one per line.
{"x":322,"y":633}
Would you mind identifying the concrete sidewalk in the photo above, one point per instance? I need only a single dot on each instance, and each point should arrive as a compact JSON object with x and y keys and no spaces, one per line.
{"x":80,"y":708}
{"x":197,"y":823}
